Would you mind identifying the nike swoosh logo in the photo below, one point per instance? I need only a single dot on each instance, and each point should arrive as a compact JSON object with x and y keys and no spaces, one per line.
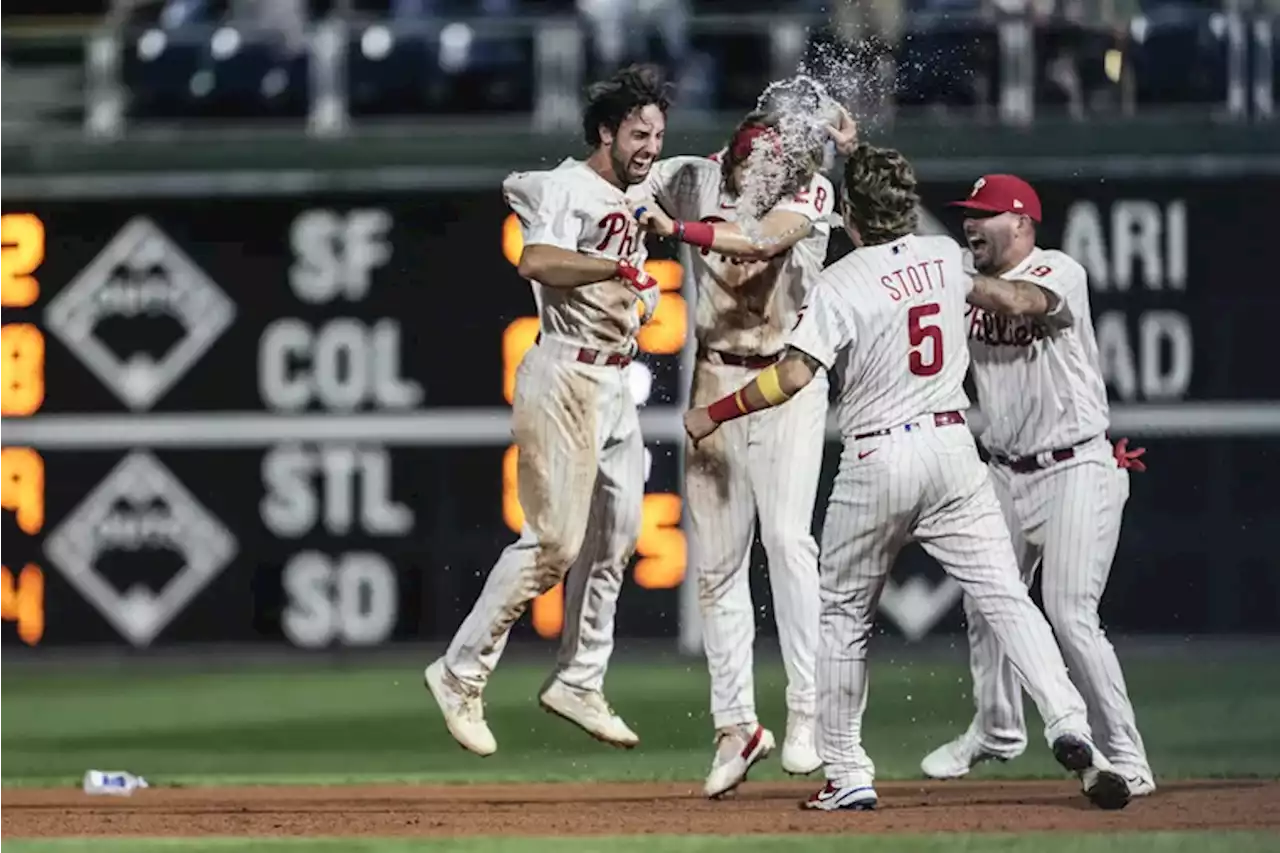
{"x":863,"y":454}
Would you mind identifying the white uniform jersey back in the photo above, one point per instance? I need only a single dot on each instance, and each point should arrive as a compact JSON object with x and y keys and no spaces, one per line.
{"x":743,"y":307}
{"x":571,"y":207}
{"x":1039,"y":392}
{"x":890,"y":319}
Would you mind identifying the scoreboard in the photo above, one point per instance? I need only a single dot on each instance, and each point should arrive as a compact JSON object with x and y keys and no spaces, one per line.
{"x":257,"y":417}
{"x":267,"y":418}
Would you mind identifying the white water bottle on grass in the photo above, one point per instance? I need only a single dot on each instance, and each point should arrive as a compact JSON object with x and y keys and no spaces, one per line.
{"x":112,"y":783}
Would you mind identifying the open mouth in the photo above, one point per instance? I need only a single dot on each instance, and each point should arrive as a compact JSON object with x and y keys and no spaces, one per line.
{"x":977,"y":244}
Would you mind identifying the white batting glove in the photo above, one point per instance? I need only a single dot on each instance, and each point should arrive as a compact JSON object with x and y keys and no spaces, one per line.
{"x":645,"y":286}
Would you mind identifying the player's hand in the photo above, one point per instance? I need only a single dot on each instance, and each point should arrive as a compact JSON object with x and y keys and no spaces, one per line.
{"x":1129,"y":459}
{"x":653,"y":218}
{"x":645,"y":286}
{"x":698,"y":424}
{"x":844,"y":133}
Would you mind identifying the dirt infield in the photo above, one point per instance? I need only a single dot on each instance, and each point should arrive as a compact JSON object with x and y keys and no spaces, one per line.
{"x":625,"y":809}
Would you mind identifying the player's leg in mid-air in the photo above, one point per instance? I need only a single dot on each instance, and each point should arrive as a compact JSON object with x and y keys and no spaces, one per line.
{"x":558,"y":422}
{"x":967,"y":535}
{"x":786,"y":462}
{"x":722,"y":518}
{"x":575,"y":690}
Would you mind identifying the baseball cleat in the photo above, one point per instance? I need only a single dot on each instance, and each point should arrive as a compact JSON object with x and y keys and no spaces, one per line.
{"x":832,"y":799}
{"x":955,"y":759}
{"x":463,"y":710}
{"x":588,"y":710}
{"x":1140,"y":782}
{"x":799,"y":749}
{"x":1104,"y":787}
{"x":737,"y":749}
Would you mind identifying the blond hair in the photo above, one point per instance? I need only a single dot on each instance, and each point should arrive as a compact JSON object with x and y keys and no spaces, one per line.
{"x":880,"y":188}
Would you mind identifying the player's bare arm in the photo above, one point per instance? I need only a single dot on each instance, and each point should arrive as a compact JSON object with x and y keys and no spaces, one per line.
{"x":556,"y":267}
{"x":779,"y":231}
{"x":775,"y":385}
{"x":1017,"y":298}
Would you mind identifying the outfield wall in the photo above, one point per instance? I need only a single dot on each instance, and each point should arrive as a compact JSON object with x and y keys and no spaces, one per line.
{"x":247,"y":407}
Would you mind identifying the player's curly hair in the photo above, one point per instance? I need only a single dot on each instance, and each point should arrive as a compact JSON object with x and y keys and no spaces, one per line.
{"x":800,"y":167}
{"x":880,"y":188}
{"x":609,"y":102}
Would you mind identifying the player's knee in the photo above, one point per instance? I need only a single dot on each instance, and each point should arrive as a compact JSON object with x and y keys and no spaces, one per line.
{"x":1071,"y":616}
{"x":790,"y":550}
{"x":554,"y":559}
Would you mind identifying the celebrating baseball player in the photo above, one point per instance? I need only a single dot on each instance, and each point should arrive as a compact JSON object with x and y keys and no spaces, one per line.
{"x":748,"y":291}
{"x":891,"y":315}
{"x":1061,"y":485}
{"x":581,"y":458}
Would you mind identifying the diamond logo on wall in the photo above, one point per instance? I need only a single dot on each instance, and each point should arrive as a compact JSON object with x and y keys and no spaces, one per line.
{"x":142,"y":511}
{"x":164,"y":310}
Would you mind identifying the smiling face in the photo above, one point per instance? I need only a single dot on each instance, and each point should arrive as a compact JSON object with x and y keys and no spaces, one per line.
{"x":997,"y":240}
{"x":637,"y":144}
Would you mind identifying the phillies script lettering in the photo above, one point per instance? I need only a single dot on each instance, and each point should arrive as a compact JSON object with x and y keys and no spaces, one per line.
{"x":618,"y":225}
{"x":997,"y":330}
{"x":914,"y":280}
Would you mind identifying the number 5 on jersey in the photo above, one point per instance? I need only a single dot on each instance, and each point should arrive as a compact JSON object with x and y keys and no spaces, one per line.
{"x":920,"y":330}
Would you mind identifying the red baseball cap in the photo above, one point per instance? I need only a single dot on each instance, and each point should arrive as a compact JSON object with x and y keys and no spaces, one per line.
{"x":1002,"y":194}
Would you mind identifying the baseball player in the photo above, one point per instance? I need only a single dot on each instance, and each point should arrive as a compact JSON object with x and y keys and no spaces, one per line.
{"x":891,"y":315}
{"x":581,"y":462}
{"x":1061,"y":485}
{"x":748,"y":291}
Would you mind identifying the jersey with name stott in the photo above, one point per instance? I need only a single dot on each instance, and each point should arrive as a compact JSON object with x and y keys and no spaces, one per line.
{"x":744,"y":307}
{"x":891,"y":319}
{"x":571,"y":207}
{"x":1039,"y":391}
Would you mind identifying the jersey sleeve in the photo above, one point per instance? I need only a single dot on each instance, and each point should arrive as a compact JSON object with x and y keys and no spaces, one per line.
{"x":814,"y":202}
{"x":822,"y":327}
{"x":1060,"y":275}
{"x":545,"y":210}
{"x":674,"y":183}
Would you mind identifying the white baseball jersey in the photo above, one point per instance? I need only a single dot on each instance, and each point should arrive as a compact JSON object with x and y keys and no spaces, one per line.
{"x":1040,"y":392}
{"x":744,"y":307}
{"x":571,"y":207}
{"x":893,"y":316}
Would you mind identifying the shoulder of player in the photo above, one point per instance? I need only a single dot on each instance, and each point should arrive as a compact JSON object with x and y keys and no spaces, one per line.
{"x":1057,"y":260}
{"x":821,"y":181}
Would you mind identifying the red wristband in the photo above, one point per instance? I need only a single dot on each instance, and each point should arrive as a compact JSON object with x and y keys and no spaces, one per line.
{"x":699,"y":234}
{"x":728,"y":408}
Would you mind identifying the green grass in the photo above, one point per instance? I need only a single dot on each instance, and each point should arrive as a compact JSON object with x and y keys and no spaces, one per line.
{"x":332,"y":725}
{"x":942,"y":843}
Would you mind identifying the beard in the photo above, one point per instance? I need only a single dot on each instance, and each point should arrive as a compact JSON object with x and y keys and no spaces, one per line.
{"x":622,"y":167}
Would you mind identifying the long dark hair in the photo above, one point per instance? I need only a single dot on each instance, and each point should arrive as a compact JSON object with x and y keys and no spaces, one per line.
{"x":609,"y":102}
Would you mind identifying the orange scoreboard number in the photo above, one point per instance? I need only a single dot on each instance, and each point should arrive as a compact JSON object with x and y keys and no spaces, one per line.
{"x":22,"y":248}
{"x":661,"y":546}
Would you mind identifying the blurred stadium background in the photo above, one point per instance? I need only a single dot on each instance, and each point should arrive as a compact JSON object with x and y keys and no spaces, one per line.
{"x":260,"y":322}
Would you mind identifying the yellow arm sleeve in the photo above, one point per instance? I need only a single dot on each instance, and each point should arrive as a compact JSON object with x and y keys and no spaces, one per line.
{"x":771,"y":386}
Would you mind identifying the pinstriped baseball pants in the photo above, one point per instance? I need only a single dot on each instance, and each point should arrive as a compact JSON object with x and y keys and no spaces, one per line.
{"x":926,"y":485}
{"x":1067,"y":519}
{"x":581,"y":486}
{"x":767,"y":464}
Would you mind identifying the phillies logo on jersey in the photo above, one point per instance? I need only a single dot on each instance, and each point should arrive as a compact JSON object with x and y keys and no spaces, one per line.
{"x":997,"y":330}
{"x":617,"y":225}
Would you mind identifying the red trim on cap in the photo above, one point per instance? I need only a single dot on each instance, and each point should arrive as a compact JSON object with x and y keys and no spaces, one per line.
{"x":744,"y":140}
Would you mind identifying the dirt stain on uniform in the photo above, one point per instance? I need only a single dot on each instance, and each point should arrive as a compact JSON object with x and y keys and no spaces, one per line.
{"x":709,"y":461}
